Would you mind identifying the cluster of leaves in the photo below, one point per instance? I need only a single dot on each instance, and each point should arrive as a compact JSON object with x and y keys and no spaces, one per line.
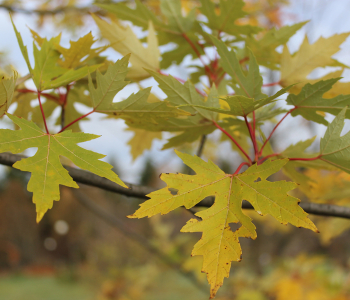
{"x":193,"y":108}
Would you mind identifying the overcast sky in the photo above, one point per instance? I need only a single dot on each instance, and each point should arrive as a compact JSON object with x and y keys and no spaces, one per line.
{"x":326,"y":18}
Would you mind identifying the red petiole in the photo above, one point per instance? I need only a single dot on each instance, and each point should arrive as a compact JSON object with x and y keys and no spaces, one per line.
{"x":252,"y":136}
{"x":42,"y":112}
{"x":46,"y":95}
{"x":271,"y":84}
{"x":240,"y":167}
{"x":274,"y":129}
{"x":233,"y":140}
{"x":76,"y":120}
{"x":306,"y":159}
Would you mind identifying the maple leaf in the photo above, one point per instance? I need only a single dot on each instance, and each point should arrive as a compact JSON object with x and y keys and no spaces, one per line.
{"x":186,"y":94}
{"x":295,"y":68}
{"x":189,"y":136}
{"x":80,"y":52}
{"x":225,"y":19}
{"x":140,"y":16}
{"x":136,"y":105}
{"x":268,"y":113}
{"x":331,"y":188}
{"x":124,"y":41}
{"x":47,"y":73}
{"x":171,"y":32}
{"x":246,"y":85}
{"x":242,"y":106}
{"x":141,"y":141}
{"x":335,"y":149}
{"x":339,"y":88}
{"x":7,"y":88}
{"x":176,"y":21}
{"x":309,"y":101}
{"x":265,"y":48}
{"x":45,"y":166}
{"x":219,"y":245}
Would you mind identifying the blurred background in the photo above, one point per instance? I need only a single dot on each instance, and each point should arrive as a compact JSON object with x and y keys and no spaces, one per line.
{"x":76,"y":253}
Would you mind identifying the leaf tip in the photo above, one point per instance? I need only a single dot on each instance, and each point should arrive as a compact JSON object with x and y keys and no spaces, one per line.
{"x":39,"y":216}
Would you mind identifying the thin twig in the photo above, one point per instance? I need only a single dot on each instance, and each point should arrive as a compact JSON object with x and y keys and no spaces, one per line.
{"x":50,"y":12}
{"x":201,"y":145}
{"x":63,"y":106}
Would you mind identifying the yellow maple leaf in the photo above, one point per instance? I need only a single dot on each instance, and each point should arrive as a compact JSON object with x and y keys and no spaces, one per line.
{"x":295,"y":68}
{"x":125,"y":41}
{"x":219,"y":245}
{"x":142,"y":140}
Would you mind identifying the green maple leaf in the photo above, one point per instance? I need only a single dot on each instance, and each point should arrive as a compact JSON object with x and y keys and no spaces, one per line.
{"x":7,"y":89}
{"x":45,"y":166}
{"x":268,"y":112}
{"x":136,"y":105}
{"x":186,"y":94}
{"x":298,"y":149}
{"x":230,"y":11}
{"x":188,"y":136}
{"x":171,"y":9}
{"x":265,"y":48}
{"x":309,"y":101}
{"x":108,"y":84}
{"x":179,"y":27}
{"x":242,"y":106}
{"x":140,"y":16}
{"x":335,"y":149}
{"x":47,"y":73}
{"x":219,"y":245}
{"x":248,"y":85}
{"x":170,"y":32}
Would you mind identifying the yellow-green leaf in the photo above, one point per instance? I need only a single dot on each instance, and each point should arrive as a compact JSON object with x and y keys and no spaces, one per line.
{"x":79,"y":52}
{"x":124,"y":41}
{"x":47,"y":73}
{"x":335,"y":149}
{"x":295,"y":68}
{"x":7,"y":88}
{"x":45,"y":166}
{"x":219,"y":245}
{"x":141,"y":141}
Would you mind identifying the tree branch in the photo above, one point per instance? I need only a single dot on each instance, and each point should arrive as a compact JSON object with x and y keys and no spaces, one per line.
{"x":51,"y":12}
{"x":138,"y":191}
